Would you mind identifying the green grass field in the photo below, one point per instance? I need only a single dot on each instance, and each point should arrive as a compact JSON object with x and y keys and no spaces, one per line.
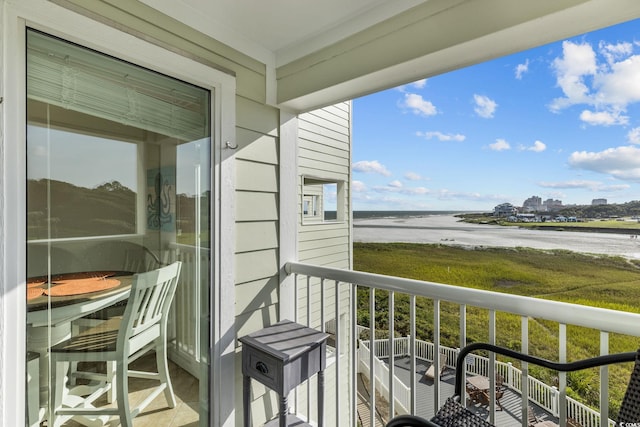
{"x":600,"y":281}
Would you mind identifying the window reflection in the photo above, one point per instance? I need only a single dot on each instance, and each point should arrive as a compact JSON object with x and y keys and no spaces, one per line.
{"x":118,"y":183}
{"x":79,"y":185}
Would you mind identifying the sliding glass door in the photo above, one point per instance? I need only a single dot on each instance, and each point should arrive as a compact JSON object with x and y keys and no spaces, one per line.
{"x":118,"y":183}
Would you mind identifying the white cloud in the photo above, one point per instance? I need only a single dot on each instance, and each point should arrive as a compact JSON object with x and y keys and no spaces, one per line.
{"x":418,"y":105}
{"x":634,"y":136}
{"x":445,"y":194}
{"x":537,"y":147}
{"x":607,"y":83}
{"x":419,"y":84}
{"x":442,"y":136}
{"x":521,"y":69}
{"x":485,"y":106}
{"x":621,"y":162}
{"x":604,"y":118}
{"x":500,"y":145}
{"x":372,"y":166}
{"x":577,"y":61}
{"x":395,"y":184}
{"x":358,"y":186}
{"x":583,"y":184}
{"x":613,"y":52}
{"x":410,"y":191}
{"x":412,"y":176}
{"x":619,"y":85}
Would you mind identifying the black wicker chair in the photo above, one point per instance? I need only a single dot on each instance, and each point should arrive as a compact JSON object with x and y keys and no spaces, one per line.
{"x":453,"y":413}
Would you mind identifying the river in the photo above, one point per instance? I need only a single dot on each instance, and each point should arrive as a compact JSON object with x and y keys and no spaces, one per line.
{"x":449,"y":230}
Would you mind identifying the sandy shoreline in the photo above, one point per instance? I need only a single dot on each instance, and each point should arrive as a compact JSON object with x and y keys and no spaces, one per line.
{"x":447,"y":229}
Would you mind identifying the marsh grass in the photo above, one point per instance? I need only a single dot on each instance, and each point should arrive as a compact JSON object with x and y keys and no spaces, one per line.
{"x":594,"y":280}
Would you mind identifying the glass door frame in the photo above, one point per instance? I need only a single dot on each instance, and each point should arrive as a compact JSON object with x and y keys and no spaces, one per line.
{"x":57,"y":21}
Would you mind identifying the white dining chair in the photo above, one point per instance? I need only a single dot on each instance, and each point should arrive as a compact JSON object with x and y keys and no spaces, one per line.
{"x":122,"y":340}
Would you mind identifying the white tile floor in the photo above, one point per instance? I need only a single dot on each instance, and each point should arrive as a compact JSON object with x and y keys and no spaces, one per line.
{"x":158,"y":414}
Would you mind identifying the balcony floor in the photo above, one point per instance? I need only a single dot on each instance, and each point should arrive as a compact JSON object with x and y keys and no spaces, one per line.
{"x":157,"y":414}
{"x":511,"y":401}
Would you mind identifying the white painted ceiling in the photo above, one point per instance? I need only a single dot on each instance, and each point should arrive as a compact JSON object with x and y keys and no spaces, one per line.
{"x":441,"y":36}
{"x":279,"y":31}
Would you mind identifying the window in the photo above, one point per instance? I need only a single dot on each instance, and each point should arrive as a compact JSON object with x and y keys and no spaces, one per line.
{"x":322,"y":201}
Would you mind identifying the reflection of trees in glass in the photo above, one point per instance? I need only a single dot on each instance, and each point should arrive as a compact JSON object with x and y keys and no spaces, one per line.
{"x":159,"y":204}
{"x":57,"y":209}
{"x":186,"y":218}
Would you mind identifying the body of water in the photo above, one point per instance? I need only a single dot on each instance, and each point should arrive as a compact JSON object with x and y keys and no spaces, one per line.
{"x":438,"y":227}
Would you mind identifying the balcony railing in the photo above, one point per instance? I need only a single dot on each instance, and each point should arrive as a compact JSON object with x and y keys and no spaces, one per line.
{"x":316,"y":279}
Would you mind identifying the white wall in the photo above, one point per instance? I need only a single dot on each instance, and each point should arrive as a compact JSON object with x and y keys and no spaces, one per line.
{"x":324,"y":154}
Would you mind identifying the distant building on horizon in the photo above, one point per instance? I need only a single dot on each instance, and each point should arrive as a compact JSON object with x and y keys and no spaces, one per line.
{"x":535,"y":204}
{"x":532,"y":204}
{"x":505,"y":209}
{"x":596,"y":202}
{"x":551,"y":205}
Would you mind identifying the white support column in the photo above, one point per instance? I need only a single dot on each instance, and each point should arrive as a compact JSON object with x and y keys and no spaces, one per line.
{"x":288,"y":224}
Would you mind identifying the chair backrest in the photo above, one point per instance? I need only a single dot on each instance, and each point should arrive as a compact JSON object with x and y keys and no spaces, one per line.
{"x":443,"y":361}
{"x":532,"y":419}
{"x":630,"y":407}
{"x":139,"y":259}
{"x":148,"y":304}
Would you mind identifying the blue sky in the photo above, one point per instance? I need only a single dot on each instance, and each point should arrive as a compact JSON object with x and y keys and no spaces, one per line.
{"x":561,"y":121}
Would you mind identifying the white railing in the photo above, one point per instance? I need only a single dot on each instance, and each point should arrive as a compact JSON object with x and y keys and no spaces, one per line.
{"x":545,"y":396}
{"x":402,"y":393}
{"x":604,"y":321}
{"x":184,"y":326}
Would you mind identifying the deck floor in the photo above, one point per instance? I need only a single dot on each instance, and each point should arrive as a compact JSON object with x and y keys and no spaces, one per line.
{"x":511,"y":401}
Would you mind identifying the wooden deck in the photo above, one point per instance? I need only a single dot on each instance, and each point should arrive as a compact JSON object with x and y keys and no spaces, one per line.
{"x":511,"y":401}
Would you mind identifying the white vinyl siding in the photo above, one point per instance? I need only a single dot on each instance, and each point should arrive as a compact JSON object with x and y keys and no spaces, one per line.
{"x":324,"y":155}
{"x":324,"y":138}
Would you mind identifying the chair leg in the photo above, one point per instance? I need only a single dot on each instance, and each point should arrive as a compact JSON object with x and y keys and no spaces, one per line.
{"x":163,"y":371}
{"x":111,"y":372}
{"x":122,"y":394}
{"x":58,"y":376}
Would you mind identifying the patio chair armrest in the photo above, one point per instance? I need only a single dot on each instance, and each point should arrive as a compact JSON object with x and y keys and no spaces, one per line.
{"x":557,"y":366}
{"x":409,"y":421}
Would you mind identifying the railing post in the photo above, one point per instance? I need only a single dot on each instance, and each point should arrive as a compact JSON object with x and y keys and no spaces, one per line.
{"x":372,"y":350}
{"x":604,"y":381}
{"x":392,"y":355}
{"x":510,"y":375}
{"x":412,"y":351}
{"x":353,"y":353}
{"x":562,"y":376}
{"x":436,"y":354}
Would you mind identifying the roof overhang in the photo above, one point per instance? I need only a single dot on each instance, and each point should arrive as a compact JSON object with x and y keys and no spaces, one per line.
{"x":318,"y":53}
